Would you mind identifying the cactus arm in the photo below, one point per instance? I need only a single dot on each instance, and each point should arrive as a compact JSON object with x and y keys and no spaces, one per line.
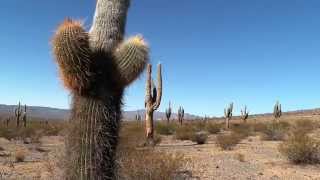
{"x":131,"y":57}
{"x":148,"y":85}
{"x":71,"y":50}
{"x":159,"y":88}
{"x":108,"y":25}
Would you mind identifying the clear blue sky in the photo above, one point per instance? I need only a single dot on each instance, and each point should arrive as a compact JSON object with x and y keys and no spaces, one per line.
{"x":213,"y":52}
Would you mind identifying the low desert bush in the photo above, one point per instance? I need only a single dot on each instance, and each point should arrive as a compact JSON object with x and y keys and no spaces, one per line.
{"x":299,"y":148}
{"x":145,"y":163}
{"x":228,"y":141}
{"x":185,"y":132}
{"x":165,"y":128}
{"x":304,"y":126}
{"x":200,"y":137}
{"x":275,"y":131}
{"x":149,"y":165}
{"x":213,"y":128}
{"x":243,"y":130}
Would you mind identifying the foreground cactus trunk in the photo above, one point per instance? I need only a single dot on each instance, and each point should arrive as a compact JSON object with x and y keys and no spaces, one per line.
{"x":152,"y":102}
{"x":96,"y":67}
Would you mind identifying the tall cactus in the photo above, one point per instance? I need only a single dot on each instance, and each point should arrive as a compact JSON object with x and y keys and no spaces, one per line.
{"x":244,"y":114}
{"x":277,"y":112}
{"x":96,"y":66}
{"x":168,"y":112}
{"x":180,"y":115}
{"x":18,"y":113}
{"x":138,"y":117}
{"x":24,"y":116}
{"x":152,"y":101}
{"x":228,"y":114}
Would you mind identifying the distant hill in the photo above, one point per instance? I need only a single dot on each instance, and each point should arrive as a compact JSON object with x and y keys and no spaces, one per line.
{"x":49,"y":113}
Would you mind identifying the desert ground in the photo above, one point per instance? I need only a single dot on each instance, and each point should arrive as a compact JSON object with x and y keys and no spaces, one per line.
{"x":251,"y":158}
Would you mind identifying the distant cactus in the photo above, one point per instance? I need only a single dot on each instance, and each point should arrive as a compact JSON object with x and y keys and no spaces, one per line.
{"x":24,"y":116}
{"x":244,"y":114}
{"x":18,"y":113}
{"x":180,"y":115}
{"x":152,"y":101}
{"x":168,"y":112}
{"x":277,"y":112}
{"x":228,"y":114}
{"x":96,"y":66}
{"x":138,"y":117}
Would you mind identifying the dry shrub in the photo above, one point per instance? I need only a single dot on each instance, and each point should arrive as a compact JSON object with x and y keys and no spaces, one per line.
{"x":299,"y":148}
{"x":240,"y":157}
{"x":259,"y":127}
{"x":184,"y":132}
{"x":275,"y":131}
{"x":213,"y":128}
{"x":144,"y":163}
{"x":243,"y":130}
{"x":304,"y":126}
{"x":20,"y":156}
{"x":149,"y":165}
{"x":200,"y":137}
{"x":228,"y":141}
{"x":165,"y":128}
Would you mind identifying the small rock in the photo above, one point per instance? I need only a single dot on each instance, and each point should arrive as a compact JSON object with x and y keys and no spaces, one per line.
{"x":27,"y":141}
{"x":217,"y":167}
{"x":260,"y":173}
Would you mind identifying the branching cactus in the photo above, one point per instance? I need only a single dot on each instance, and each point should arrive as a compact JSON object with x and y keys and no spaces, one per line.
{"x":180,"y":115}
{"x":244,"y":114}
{"x":228,"y":114}
{"x":18,"y":113}
{"x":277,"y":112}
{"x":152,"y":101}
{"x":95,"y":67}
{"x":168,"y":112}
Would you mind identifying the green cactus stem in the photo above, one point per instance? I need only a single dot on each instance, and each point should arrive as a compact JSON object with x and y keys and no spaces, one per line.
{"x":228,"y":114}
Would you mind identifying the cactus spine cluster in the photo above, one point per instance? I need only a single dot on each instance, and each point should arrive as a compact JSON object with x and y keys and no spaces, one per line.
{"x":168,"y":112}
{"x":152,"y":101}
{"x":277,"y":112}
{"x":228,"y":114}
{"x":180,"y":115}
{"x":95,"y":67}
{"x":244,"y":114}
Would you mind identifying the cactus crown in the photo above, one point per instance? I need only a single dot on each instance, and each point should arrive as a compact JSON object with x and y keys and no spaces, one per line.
{"x":99,"y":60}
{"x":277,"y":112}
{"x":228,"y":111}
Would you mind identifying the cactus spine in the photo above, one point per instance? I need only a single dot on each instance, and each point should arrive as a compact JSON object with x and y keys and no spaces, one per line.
{"x":180,"y":115}
{"x":18,"y":113}
{"x":96,"y":67}
{"x":168,"y":112}
{"x":152,"y":101}
{"x":228,"y":114}
{"x":244,"y":114}
{"x":277,"y":112}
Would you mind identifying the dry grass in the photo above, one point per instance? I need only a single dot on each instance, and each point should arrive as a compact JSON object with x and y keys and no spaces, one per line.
{"x":136,"y":162}
{"x":213,"y":127}
{"x":229,"y":141}
{"x":185,"y":132}
{"x":165,"y":128}
{"x":275,"y":131}
{"x":301,"y":149}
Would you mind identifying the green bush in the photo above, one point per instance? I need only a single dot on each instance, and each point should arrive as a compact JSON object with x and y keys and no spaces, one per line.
{"x":301,"y":149}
